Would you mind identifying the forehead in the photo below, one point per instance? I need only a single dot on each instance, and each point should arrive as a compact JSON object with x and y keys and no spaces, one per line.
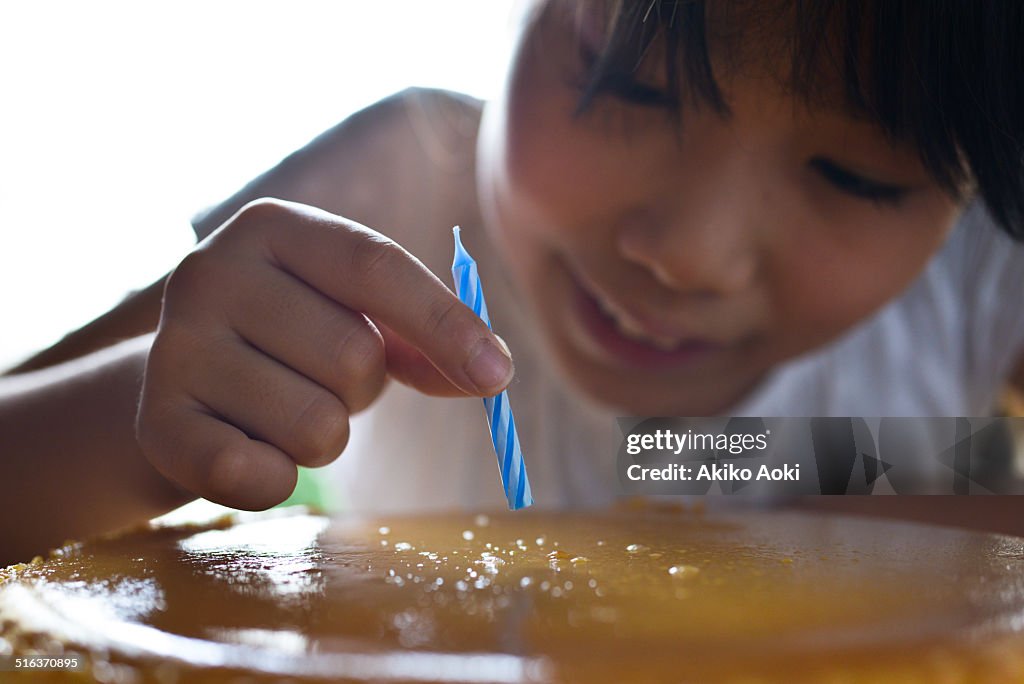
{"x":770,"y":86}
{"x":812,"y":52}
{"x":819,"y":57}
{"x":862,"y":63}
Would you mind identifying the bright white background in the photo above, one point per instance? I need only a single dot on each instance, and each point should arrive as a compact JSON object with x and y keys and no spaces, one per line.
{"x":120,"y":120}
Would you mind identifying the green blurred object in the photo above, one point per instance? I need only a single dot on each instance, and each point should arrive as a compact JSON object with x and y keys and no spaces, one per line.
{"x":312,"y":489}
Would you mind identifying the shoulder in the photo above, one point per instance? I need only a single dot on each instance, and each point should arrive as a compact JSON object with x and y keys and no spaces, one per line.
{"x":392,"y":144}
{"x":449,"y":111}
{"x":359,"y":166}
{"x":987,"y":267}
{"x":423,"y":117}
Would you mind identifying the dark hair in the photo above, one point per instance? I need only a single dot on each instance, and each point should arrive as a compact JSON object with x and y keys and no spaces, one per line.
{"x":945,"y":76}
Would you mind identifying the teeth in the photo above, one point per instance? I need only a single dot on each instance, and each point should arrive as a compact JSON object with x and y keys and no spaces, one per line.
{"x":630,"y":329}
{"x":607,"y":308}
{"x":634,"y":332}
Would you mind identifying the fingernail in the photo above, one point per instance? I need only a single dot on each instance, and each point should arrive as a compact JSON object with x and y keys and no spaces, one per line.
{"x":504,"y":345}
{"x":489,"y":367}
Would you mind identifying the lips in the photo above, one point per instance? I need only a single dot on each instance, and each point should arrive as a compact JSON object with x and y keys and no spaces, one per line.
{"x":633,"y":322}
{"x":621,"y":336}
{"x":634,"y":330}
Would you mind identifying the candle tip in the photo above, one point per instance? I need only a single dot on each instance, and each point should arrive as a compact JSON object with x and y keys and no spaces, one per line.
{"x":462,"y":257}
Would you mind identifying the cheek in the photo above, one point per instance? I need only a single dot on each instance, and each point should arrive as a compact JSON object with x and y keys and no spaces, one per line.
{"x":546,"y":171}
{"x":552,"y":175}
{"x":835,"y":278}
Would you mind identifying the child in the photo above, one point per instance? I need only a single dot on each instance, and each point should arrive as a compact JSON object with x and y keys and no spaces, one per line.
{"x":677,"y":208}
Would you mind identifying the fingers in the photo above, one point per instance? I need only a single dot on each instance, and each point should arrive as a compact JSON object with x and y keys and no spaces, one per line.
{"x":330,"y":344}
{"x":280,"y":325}
{"x":269,"y":402}
{"x":409,"y":366}
{"x":231,"y":424}
{"x":372,"y":274}
{"x":213,"y":459}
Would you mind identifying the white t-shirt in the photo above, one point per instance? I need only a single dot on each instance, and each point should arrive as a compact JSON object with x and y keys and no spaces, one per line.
{"x":943,"y":348}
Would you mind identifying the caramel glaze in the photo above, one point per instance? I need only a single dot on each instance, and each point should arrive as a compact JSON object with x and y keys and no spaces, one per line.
{"x":625,"y":596}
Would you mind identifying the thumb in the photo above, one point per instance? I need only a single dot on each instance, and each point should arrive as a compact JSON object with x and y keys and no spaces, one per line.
{"x":409,"y":366}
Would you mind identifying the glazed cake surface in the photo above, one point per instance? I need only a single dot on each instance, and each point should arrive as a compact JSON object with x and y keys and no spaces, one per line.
{"x":633,"y":595}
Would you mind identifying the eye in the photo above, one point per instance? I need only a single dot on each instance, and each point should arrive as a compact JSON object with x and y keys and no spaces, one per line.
{"x":621,"y":85}
{"x":857,"y":185}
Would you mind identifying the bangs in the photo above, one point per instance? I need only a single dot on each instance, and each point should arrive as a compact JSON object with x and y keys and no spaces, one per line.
{"x":943,"y":76}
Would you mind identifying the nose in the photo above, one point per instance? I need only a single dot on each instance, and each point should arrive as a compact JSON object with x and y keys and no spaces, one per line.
{"x":704,"y":247}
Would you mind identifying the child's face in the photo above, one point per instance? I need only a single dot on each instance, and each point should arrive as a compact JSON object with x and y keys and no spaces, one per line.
{"x":739,"y":242}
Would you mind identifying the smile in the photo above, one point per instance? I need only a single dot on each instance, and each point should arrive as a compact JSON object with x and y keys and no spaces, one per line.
{"x":630,"y":328}
{"x":626,"y":341}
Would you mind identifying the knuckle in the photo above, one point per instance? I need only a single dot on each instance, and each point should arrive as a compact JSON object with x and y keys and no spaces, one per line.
{"x":162,"y":355}
{"x":161,"y":359}
{"x":253,"y":224}
{"x":183,"y":351}
{"x":262,"y":210}
{"x":440,"y":315}
{"x":191,"y":279}
{"x":360,"y":362}
{"x":321,"y":431}
{"x":374,"y":256}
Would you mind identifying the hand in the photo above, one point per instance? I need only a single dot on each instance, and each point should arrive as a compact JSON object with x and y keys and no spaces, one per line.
{"x":277,"y":328}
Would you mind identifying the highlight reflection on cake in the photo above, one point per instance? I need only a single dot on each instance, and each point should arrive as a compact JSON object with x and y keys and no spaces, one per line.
{"x":642,"y":595}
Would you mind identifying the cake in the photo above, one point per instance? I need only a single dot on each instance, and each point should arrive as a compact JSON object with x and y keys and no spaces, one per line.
{"x":619,"y":596}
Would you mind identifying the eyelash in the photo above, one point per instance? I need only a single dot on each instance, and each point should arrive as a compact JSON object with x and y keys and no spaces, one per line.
{"x":623,"y":87}
{"x":858,"y":186}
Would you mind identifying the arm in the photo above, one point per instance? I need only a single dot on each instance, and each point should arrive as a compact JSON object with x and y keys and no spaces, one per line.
{"x":70,"y":466}
{"x":136,"y":315}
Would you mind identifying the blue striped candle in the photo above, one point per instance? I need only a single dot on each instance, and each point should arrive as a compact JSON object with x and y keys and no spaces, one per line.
{"x":499,"y":412}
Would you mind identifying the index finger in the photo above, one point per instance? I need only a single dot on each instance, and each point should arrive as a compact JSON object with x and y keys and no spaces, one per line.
{"x":367,"y":271}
